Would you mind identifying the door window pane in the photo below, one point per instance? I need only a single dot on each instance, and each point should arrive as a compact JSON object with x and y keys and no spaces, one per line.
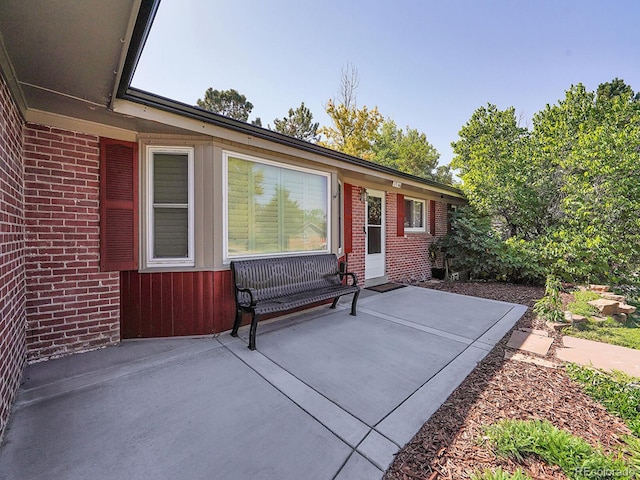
{"x":374,"y":214}
{"x":374,"y":240}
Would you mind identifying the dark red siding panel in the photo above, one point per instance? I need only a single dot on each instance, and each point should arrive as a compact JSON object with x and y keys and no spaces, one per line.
{"x":118,"y":205}
{"x":432,"y":217}
{"x":175,"y":303}
{"x":146,"y":312}
{"x":400,"y":210}
{"x":224,"y":304}
{"x":166,"y":328}
{"x":348,"y":218}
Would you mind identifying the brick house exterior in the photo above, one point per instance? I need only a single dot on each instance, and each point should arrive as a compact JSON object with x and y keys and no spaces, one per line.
{"x":71,"y":305}
{"x":62,"y":291}
{"x":12,"y":253}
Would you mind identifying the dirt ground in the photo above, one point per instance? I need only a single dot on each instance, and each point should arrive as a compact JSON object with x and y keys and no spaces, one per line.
{"x":450,"y":445}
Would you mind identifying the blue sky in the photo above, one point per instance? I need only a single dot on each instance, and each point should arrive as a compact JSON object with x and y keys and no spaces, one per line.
{"x":425,"y":64}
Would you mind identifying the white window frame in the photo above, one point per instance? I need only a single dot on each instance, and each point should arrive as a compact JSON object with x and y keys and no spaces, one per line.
{"x":225,"y":205}
{"x":424,"y":216}
{"x":151,"y":261}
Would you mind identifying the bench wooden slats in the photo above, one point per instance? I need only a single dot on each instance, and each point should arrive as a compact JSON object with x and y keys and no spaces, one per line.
{"x":271,"y":285}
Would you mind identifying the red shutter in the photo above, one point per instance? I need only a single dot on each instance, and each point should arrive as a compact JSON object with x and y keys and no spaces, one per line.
{"x":118,"y":205}
{"x":348,"y":218}
{"x":400,"y":210}
{"x":432,"y":217}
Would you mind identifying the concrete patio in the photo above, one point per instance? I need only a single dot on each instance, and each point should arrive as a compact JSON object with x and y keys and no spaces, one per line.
{"x":325,"y":396}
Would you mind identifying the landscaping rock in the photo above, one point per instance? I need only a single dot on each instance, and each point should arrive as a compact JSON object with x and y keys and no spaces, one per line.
{"x":578,"y":318}
{"x":519,"y":357}
{"x":604,"y":306}
{"x":613,"y":296}
{"x":599,"y":288}
{"x":558,"y":326}
{"x":620,"y":317}
{"x":626,"y":309}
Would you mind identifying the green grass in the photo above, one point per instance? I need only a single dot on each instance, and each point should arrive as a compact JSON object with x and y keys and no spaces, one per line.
{"x":500,"y":474}
{"x":579,"y":306}
{"x":619,"y":393}
{"x":609,"y":331}
{"x":624,"y":335}
{"x":518,"y":439}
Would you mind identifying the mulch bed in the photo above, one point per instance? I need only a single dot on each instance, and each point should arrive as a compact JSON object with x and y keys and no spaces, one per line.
{"x":450,"y":445}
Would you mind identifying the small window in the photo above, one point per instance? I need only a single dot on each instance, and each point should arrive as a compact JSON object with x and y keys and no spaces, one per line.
{"x":413,"y":215}
{"x":170,"y":206}
{"x":273,"y":209}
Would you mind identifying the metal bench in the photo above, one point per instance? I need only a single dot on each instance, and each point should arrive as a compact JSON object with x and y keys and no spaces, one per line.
{"x":271,"y":285}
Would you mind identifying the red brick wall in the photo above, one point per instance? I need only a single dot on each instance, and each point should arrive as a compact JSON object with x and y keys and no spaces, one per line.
{"x":355,"y":259}
{"x":407,"y":257}
{"x":71,"y":305}
{"x":12,"y":292}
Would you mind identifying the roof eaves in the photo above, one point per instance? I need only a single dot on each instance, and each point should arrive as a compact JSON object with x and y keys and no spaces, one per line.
{"x":172,"y":106}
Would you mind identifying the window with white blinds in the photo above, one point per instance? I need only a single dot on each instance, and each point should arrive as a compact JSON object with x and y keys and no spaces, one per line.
{"x":272,"y":209}
{"x":170,"y":206}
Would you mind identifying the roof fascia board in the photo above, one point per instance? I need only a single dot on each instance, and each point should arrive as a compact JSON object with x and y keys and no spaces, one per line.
{"x":126,"y":44}
{"x":139,"y":34}
{"x":77,"y":125}
{"x":287,"y":147}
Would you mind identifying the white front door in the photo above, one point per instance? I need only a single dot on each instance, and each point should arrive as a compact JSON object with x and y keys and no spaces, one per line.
{"x":374,"y":230}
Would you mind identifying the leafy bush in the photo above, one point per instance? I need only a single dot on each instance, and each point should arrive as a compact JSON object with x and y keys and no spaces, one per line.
{"x":519,"y":439}
{"x":478,"y":248}
{"x":580,"y":305}
{"x":549,"y":307}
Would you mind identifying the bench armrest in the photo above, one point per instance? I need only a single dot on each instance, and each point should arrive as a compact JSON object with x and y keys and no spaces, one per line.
{"x":252,"y":295}
{"x":349,"y":274}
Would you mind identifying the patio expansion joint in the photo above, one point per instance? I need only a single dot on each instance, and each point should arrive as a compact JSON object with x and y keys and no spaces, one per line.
{"x":348,"y":428}
{"x":58,"y":388}
{"x":417,"y":326}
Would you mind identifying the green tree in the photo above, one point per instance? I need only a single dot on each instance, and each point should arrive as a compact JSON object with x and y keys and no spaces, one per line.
{"x":299,"y":124}
{"x":229,"y":103}
{"x":569,"y":189}
{"x":409,"y":151}
{"x":616,"y":88}
{"x":353,"y":130}
{"x":499,"y":175}
{"x":595,"y":144}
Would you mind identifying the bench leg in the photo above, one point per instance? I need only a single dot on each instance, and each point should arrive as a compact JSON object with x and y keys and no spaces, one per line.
{"x":354,"y":302}
{"x":335,"y":302}
{"x":236,"y":323}
{"x":252,"y":332}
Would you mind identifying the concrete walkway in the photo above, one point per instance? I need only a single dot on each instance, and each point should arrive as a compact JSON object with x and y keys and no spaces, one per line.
{"x":600,"y":355}
{"x":325,"y":396}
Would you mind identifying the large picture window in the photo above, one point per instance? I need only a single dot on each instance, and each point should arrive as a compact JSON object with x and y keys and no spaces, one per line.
{"x":413,"y":215}
{"x":170,"y":206}
{"x":272,"y":209}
